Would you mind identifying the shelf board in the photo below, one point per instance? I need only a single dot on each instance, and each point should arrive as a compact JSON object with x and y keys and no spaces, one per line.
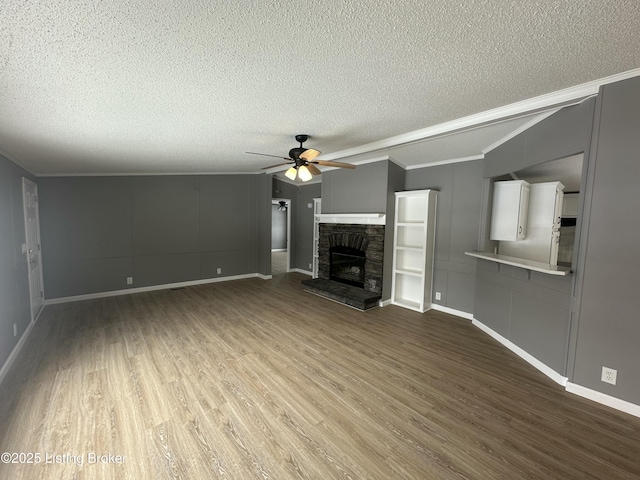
{"x":403,"y":302}
{"x":410,"y":224}
{"x":522,"y":263}
{"x":413,"y":248}
{"x":409,"y":249}
{"x":414,"y":272}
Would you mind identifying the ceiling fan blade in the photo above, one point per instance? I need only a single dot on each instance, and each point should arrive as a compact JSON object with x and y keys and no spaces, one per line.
{"x":310,"y":154}
{"x":277,"y":165}
{"x":333,"y":164}
{"x":313,"y":169}
{"x":267,"y":155}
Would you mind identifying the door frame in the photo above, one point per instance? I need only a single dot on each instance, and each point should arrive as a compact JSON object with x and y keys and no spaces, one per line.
{"x":276,"y":201}
{"x":25,"y":249}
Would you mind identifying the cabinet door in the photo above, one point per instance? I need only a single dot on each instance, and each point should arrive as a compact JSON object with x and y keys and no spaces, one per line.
{"x":557,"y":213}
{"x":509,"y":212}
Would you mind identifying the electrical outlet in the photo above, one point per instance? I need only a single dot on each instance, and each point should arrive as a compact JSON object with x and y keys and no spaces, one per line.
{"x":609,"y":375}
{"x":129,"y":280}
{"x":15,"y":329}
{"x":438,"y":296}
{"x":218,"y":270}
{"x":310,"y":266}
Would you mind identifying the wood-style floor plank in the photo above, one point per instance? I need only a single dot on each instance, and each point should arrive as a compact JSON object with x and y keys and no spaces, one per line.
{"x":258,"y":379}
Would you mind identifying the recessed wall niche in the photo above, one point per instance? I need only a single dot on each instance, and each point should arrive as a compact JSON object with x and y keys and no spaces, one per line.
{"x":568,"y":172}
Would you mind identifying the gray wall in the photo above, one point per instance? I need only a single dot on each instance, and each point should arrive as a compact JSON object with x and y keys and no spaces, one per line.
{"x":533,"y":310}
{"x":563,"y":134}
{"x":97,"y":231}
{"x":302,"y":254}
{"x":362,"y":190}
{"x":608,"y":330}
{"x":457,"y":228}
{"x":260,"y":191}
{"x":395,"y":183}
{"x":14,"y":278}
{"x":278,"y":228}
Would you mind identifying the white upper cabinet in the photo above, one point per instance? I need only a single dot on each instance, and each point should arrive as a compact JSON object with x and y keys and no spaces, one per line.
{"x":509,"y":212}
{"x":543,"y":224}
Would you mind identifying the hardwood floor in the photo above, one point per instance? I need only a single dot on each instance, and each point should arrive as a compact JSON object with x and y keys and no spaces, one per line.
{"x":257,"y":379}
{"x":278,"y":263}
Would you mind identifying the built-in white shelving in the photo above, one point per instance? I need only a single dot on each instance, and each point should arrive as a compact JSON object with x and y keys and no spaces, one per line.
{"x":413,"y":249}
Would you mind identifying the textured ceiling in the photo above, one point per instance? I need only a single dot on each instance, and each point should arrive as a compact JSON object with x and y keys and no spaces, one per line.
{"x":124,"y":86}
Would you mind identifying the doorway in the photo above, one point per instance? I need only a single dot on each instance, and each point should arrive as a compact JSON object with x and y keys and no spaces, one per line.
{"x":32,"y":246}
{"x":280,"y":235}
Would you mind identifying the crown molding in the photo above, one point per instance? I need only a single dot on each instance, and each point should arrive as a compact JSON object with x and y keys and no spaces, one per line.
{"x":19,"y":164}
{"x":380,"y":159}
{"x":556,"y":99}
{"x":140,"y":174}
{"x":445,"y":162}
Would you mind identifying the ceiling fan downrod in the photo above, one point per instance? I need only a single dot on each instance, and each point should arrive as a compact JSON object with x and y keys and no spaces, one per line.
{"x":295,"y":153}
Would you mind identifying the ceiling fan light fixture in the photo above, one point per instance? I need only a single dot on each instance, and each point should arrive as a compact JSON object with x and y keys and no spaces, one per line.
{"x":291,"y":173}
{"x":303,"y":161}
{"x":304,"y":174}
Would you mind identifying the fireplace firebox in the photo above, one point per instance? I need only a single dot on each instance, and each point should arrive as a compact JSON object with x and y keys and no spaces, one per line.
{"x":347,"y":265}
{"x":351,"y":254}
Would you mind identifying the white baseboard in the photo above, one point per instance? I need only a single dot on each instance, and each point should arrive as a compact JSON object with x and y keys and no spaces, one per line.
{"x":152,"y":288}
{"x":384,"y":303}
{"x":299,"y":270}
{"x":16,"y":351}
{"x":452,"y":311}
{"x":603,"y":398}
{"x":527,"y":357}
{"x":549,"y":372}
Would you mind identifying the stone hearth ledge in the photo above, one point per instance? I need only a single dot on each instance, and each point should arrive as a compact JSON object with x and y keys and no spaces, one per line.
{"x":352,"y":296}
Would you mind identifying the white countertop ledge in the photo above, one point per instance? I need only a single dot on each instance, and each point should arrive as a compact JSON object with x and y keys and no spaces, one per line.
{"x":522,"y":263}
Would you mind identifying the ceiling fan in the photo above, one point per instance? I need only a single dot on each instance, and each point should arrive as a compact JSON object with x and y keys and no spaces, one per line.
{"x":302,"y":160}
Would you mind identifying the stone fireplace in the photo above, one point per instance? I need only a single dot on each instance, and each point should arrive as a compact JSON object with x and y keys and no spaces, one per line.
{"x":350,"y":260}
{"x":352,"y":254}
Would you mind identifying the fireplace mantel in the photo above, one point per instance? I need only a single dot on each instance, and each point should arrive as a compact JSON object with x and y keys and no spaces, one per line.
{"x":352,"y":218}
